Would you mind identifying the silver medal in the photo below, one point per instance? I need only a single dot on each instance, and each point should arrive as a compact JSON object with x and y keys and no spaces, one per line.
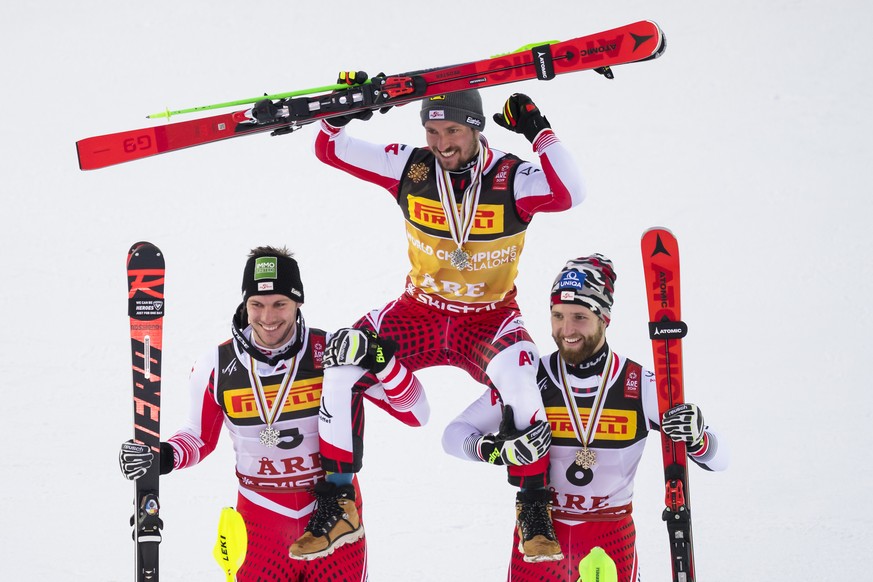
{"x":269,"y":436}
{"x":459,"y":258}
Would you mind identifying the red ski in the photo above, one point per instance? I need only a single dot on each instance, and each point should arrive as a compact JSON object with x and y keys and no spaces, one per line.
{"x":631,"y":43}
{"x":145,"y":297}
{"x":666,"y":330}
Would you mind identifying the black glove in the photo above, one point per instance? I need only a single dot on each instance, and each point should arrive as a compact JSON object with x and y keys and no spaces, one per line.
{"x":521,"y":115}
{"x":135,"y":459}
{"x":511,"y":446}
{"x":343,"y":120}
{"x":684,"y":423}
{"x":359,"y":347}
{"x":350,"y":78}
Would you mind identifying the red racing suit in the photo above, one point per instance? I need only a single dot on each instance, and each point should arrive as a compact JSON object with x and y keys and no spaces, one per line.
{"x":465,"y":317}
{"x":274,"y":481}
{"x":591,"y":507}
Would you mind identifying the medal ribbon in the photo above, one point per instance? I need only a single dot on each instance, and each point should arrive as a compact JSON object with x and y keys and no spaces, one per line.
{"x":460,"y":221}
{"x":585,"y":433}
{"x":269,"y":414}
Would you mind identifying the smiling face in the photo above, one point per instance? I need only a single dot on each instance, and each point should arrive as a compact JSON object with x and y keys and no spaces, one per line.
{"x":273,"y":318}
{"x":578,"y":332}
{"x":454,"y":144}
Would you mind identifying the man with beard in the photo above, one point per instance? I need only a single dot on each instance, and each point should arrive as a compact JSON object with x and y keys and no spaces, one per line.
{"x":466,"y":208}
{"x":600,"y":406}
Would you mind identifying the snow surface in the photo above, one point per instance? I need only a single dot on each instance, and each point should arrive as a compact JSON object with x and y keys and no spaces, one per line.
{"x":750,"y":138}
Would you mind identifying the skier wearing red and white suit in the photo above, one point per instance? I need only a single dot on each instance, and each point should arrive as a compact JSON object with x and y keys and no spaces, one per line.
{"x":585,"y":384}
{"x":264,"y":385}
{"x":466,"y":207}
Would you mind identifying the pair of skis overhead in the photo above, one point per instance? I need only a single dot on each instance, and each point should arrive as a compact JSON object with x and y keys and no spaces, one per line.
{"x":636,"y":42}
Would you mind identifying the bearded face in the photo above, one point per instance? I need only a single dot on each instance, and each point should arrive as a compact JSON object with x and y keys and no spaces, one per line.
{"x":578,"y":332}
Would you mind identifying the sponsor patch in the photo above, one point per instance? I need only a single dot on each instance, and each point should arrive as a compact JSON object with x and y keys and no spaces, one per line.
{"x":265,"y":286}
{"x":614,"y":425}
{"x":572,"y":280}
{"x":266,"y":268}
{"x":436,"y":114}
{"x":304,"y":396}
{"x":489,"y":218}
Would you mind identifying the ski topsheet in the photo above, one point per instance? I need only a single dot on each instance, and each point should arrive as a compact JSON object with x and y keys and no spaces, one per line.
{"x":666,"y":329}
{"x":145,"y":293}
{"x":631,"y":43}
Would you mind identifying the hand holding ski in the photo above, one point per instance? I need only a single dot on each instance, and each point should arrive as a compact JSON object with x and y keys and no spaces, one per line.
{"x":666,"y":329}
{"x":636,"y":42}
{"x":145,"y":285}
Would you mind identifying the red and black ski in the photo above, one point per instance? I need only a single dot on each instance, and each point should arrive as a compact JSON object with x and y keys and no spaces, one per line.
{"x":666,"y":330}
{"x":145,"y":292}
{"x":631,"y":43}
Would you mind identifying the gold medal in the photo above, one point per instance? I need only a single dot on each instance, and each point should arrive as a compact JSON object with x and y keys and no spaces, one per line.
{"x":585,"y":432}
{"x":586,"y":458}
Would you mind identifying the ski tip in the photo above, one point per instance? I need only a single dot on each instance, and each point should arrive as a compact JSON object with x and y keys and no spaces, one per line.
{"x":656,"y":229}
{"x":142,"y":247}
{"x":662,"y":41}
{"x":138,"y":245}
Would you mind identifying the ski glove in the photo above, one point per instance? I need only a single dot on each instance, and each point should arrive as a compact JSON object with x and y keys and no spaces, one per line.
{"x":359,"y":347}
{"x":521,"y":115}
{"x":511,"y":446}
{"x":684,"y":423}
{"x":350,"y":78}
{"x":135,"y":459}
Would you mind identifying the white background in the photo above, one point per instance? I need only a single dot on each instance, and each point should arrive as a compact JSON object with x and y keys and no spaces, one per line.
{"x":750,"y":139}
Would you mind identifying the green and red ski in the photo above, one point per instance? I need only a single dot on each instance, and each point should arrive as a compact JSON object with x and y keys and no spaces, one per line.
{"x":666,"y":330}
{"x":631,"y":43}
{"x":145,"y":296}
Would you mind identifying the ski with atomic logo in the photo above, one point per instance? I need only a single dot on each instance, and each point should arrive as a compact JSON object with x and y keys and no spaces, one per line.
{"x":284,"y":113}
{"x":145,"y":296}
{"x":660,"y":252}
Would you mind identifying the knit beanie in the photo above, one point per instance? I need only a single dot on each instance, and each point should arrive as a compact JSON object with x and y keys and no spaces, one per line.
{"x":268,"y":275}
{"x":587,"y":281}
{"x":462,"y":107}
